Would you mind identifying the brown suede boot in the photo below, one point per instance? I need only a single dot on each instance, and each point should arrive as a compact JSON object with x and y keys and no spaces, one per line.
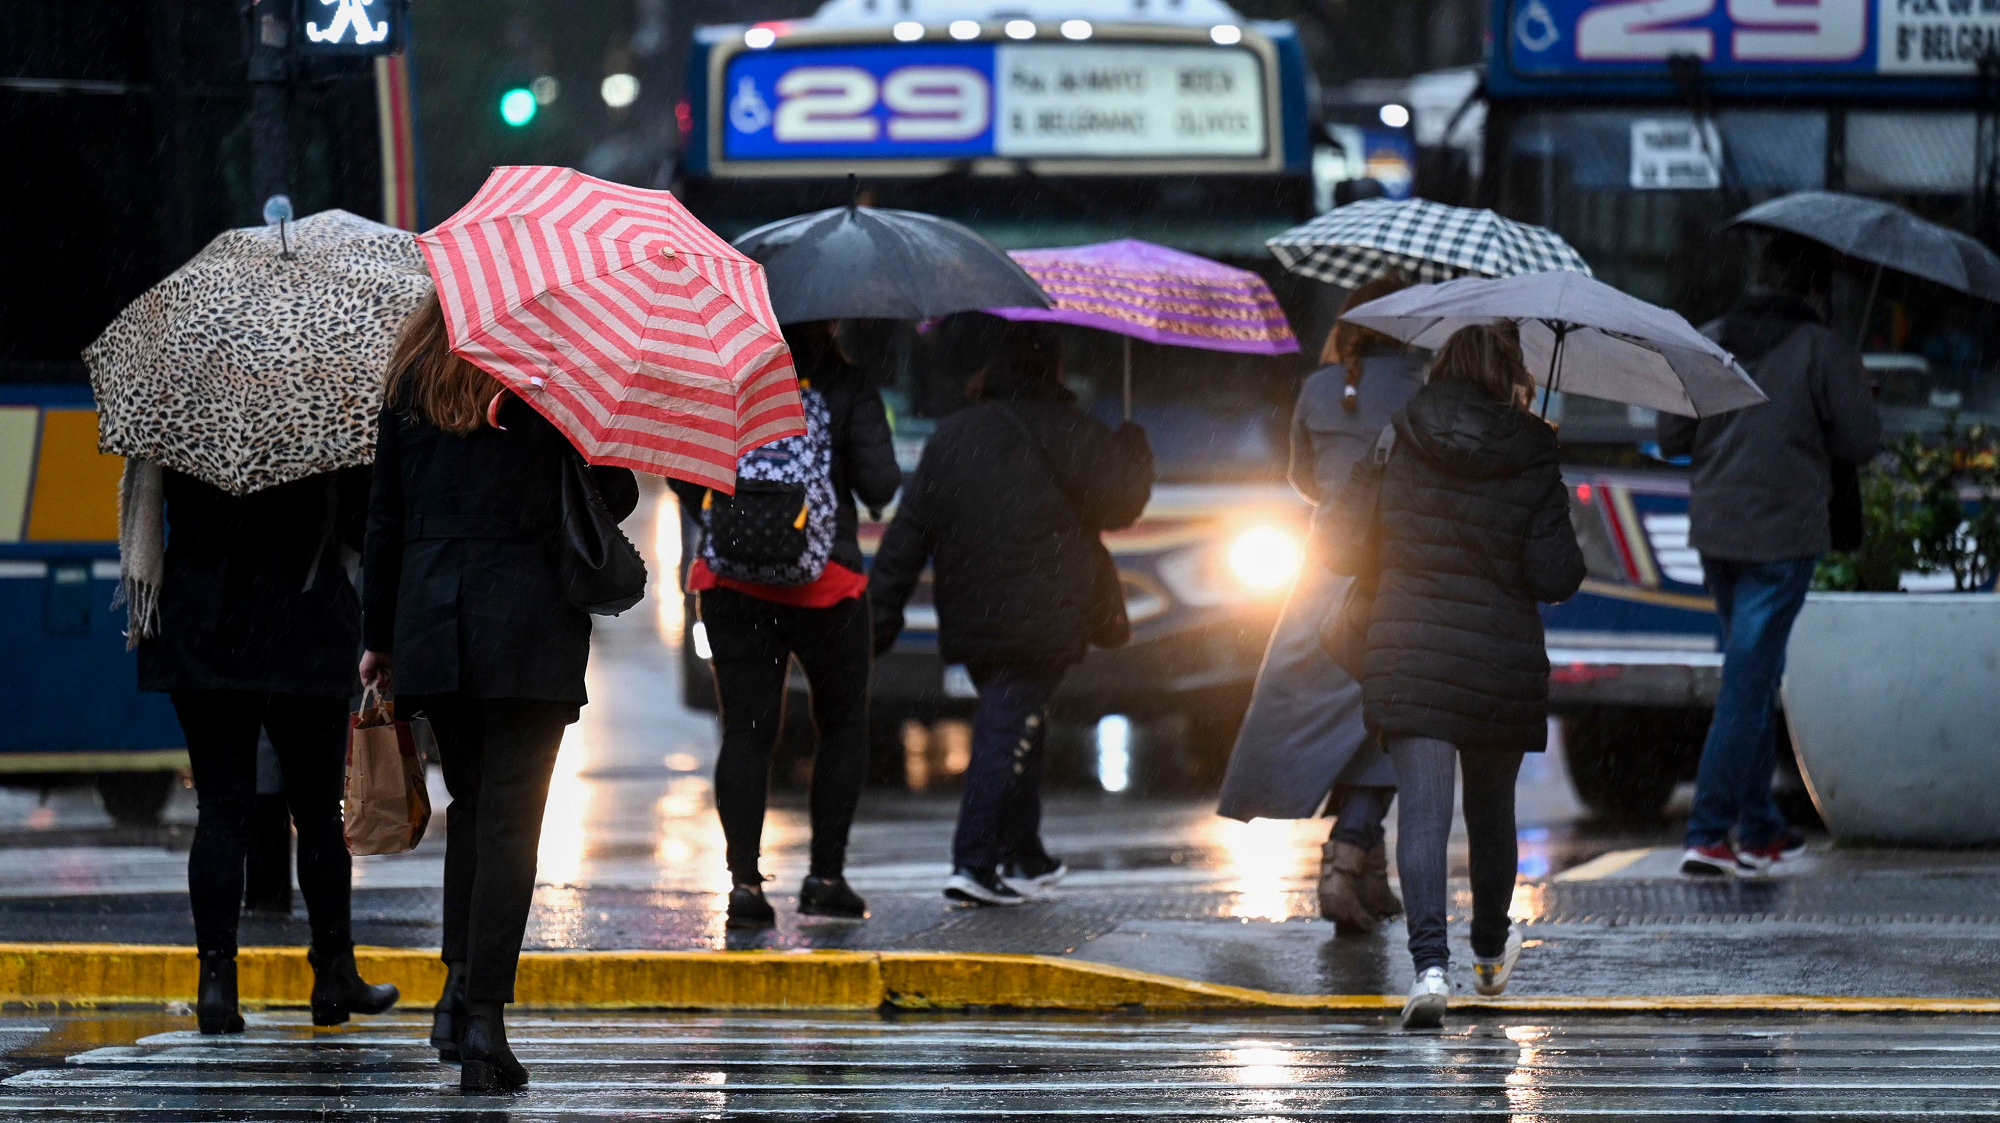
{"x":1339,"y":874}
{"x":1373,"y":888}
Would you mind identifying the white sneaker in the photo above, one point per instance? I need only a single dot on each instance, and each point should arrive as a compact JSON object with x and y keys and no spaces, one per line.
{"x":1490,"y":975}
{"x":1429,"y":995}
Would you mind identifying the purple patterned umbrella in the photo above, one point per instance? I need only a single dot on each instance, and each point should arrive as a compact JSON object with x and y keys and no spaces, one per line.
{"x":1157,"y":294}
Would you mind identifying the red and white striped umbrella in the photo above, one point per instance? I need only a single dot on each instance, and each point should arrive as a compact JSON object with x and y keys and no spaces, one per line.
{"x":646,"y":339}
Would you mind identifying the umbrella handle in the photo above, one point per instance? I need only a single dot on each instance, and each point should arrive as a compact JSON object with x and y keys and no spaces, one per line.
{"x":493,"y":409}
{"x":1555,"y":357}
{"x":1868,"y":308}
{"x":1128,"y":377}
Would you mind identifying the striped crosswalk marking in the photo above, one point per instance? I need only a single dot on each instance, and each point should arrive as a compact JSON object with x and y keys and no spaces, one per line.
{"x":1019,"y":1067}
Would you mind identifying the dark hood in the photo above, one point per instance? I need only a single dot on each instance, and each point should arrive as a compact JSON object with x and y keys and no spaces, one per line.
{"x":1465,"y":431}
{"x":1762,"y":322}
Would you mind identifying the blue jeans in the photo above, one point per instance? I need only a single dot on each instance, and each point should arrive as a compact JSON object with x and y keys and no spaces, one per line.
{"x":1757,"y":602}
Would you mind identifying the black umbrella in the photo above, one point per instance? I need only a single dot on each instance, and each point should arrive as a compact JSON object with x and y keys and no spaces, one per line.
{"x":869,"y":263}
{"x":1884,"y":235}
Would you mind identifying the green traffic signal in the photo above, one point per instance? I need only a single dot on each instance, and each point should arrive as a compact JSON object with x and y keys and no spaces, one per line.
{"x":517,"y":106}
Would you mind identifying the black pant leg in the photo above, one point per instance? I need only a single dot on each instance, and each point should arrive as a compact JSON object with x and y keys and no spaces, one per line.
{"x":519,"y":755}
{"x":1488,"y":779}
{"x":1021,"y":809}
{"x":458,"y":725}
{"x":749,"y":659}
{"x":221,"y":730}
{"x":834,"y":647}
{"x":1008,"y":697}
{"x":310,"y":737}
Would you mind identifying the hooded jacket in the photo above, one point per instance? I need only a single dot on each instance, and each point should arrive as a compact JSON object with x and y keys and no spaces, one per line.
{"x":1474,"y":531}
{"x":1006,"y":510}
{"x":1763,"y":475}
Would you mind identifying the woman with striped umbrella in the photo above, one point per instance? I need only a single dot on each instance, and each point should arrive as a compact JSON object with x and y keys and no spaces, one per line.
{"x":573,"y":317}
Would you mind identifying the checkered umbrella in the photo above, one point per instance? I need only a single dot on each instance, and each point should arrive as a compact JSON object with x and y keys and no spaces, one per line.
{"x":1359,"y":242}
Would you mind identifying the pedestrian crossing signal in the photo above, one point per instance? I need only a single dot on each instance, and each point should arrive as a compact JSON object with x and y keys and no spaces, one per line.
{"x":349,"y":27}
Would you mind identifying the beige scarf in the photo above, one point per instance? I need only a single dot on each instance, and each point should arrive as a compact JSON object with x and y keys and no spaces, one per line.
{"x":142,"y":549}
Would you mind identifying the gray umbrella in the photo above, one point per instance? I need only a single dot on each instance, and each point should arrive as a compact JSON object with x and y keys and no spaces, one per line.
{"x":868,"y":263}
{"x":1883,"y":234}
{"x":1578,"y":335}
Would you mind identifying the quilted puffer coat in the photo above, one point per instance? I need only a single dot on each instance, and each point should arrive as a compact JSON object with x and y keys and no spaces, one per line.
{"x":1474,"y":531}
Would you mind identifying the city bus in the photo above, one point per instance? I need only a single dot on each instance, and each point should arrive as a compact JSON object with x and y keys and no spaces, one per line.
{"x":1636,"y":129}
{"x":1049,"y":123}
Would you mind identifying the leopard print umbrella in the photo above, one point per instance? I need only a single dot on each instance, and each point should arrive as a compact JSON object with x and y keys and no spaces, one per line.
{"x":248,"y":368}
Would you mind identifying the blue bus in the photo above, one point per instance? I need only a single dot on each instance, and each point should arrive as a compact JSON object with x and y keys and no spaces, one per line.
{"x":1048,"y":123}
{"x":1636,"y":129}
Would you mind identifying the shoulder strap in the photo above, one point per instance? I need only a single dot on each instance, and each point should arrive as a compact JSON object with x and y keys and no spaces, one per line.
{"x":1041,"y":454}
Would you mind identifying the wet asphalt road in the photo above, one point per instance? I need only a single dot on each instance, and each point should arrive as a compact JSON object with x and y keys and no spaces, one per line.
{"x":907,"y":1067}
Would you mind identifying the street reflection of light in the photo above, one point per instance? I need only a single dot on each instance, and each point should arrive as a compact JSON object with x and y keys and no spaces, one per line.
{"x":689,"y":847}
{"x":1261,"y":1066}
{"x":1526,"y":1093}
{"x":1114,"y":752}
{"x":668,"y":605}
{"x":1530,"y":902}
{"x":560,"y":858}
{"x":1259,"y":860}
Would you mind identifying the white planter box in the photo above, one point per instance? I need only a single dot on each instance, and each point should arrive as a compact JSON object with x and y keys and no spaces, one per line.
{"x":1894,"y":704}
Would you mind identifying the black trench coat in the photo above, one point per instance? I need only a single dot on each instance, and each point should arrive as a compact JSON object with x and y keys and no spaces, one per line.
{"x":235,"y":609}
{"x":459,"y":578}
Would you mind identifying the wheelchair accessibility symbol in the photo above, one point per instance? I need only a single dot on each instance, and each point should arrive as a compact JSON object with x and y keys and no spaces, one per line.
{"x":748,"y":112}
{"x":1535,"y":28}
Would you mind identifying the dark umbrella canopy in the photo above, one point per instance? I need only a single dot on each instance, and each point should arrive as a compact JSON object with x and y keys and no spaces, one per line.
{"x":1883,"y":234}
{"x":869,"y":263}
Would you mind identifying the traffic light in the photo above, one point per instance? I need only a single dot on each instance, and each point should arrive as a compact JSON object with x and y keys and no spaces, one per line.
{"x":517,"y":106}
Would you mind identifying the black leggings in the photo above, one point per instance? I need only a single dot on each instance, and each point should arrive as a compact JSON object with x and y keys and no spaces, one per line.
{"x":752,"y":641}
{"x":498,"y":754}
{"x":310,"y":736}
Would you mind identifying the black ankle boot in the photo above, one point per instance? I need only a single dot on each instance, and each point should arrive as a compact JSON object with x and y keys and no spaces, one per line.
{"x":487,"y":1064}
{"x":338,"y":989}
{"x":448,"y":1018}
{"x":215,"y":1003}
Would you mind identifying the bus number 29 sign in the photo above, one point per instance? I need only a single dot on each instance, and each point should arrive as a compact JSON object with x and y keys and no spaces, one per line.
{"x":1917,"y":38}
{"x":983,"y":99}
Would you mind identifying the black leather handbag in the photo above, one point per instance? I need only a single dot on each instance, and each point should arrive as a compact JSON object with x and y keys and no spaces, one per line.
{"x":600,"y":570}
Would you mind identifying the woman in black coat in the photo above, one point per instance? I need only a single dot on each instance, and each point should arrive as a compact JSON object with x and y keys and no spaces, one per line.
{"x":1006,"y":506}
{"x":755,"y":630}
{"x":1474,"y":531}
{"x":462,"y":602}
{"x":257,"y":629}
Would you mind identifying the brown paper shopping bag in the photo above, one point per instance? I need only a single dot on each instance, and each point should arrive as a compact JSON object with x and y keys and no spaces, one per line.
{"x":387,"y":804}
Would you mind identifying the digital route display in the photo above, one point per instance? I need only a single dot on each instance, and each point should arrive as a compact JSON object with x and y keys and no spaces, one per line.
{"x":1095,"y":101}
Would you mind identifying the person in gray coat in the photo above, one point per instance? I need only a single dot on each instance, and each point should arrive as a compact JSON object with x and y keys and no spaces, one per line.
{"x":1757,"y":512}
{"x":1303,"y":737}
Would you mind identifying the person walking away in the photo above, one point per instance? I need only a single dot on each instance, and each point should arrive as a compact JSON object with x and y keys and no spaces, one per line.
{"x":755,"y":630}
{"x":1006,"y":507}
{"x":1757,"y":512}
{"x":463,"y":615}
{"x":1303,"y":737}
{"x":1472,"y":527}
{"x":253,"y":626}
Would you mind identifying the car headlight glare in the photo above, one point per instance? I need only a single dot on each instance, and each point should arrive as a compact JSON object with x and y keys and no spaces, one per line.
{"x":1264,"y":558}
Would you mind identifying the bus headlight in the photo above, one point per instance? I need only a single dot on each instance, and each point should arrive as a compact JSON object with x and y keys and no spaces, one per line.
{"x":1251,"y":564}
{"x":1264,"y":558}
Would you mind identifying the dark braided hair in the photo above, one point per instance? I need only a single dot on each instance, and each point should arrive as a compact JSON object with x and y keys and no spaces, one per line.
{"x":1346,"y":343}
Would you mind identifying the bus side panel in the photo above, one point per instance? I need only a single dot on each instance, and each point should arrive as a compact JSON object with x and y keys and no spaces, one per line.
{"x":1294,"y":78}
{"x":67,"y":684}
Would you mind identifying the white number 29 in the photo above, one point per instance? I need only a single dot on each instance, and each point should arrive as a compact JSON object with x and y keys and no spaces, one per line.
{"x":927,"y":103}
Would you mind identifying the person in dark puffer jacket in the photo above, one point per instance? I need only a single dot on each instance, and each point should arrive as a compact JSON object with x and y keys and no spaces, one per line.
{"x":1475,"y":530}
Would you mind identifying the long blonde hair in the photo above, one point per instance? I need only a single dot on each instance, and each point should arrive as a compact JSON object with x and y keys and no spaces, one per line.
{"x":431,"y":382}
{"x":1347,"y":343}
{"x":1489,"y":357}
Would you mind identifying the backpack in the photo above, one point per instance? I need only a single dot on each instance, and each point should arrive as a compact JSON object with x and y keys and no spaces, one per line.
{"x":778,"y":528}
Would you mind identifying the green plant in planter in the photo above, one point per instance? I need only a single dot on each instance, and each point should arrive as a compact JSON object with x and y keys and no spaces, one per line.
{"x":1928,"y":504}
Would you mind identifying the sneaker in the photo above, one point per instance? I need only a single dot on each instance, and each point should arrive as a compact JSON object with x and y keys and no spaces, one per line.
{"x":1490,"y":975}
{"x":748,"y":908}
{"x":830,"y":897}
{"x":980,"y":885}
{"x":1035,"y":877}
{"x":1774,"y":857}
{"x":1429,"y":995}
{"x":1717,"y":859}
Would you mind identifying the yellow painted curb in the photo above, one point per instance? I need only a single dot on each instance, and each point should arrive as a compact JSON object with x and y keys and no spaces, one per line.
{"x":86,"y":975}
